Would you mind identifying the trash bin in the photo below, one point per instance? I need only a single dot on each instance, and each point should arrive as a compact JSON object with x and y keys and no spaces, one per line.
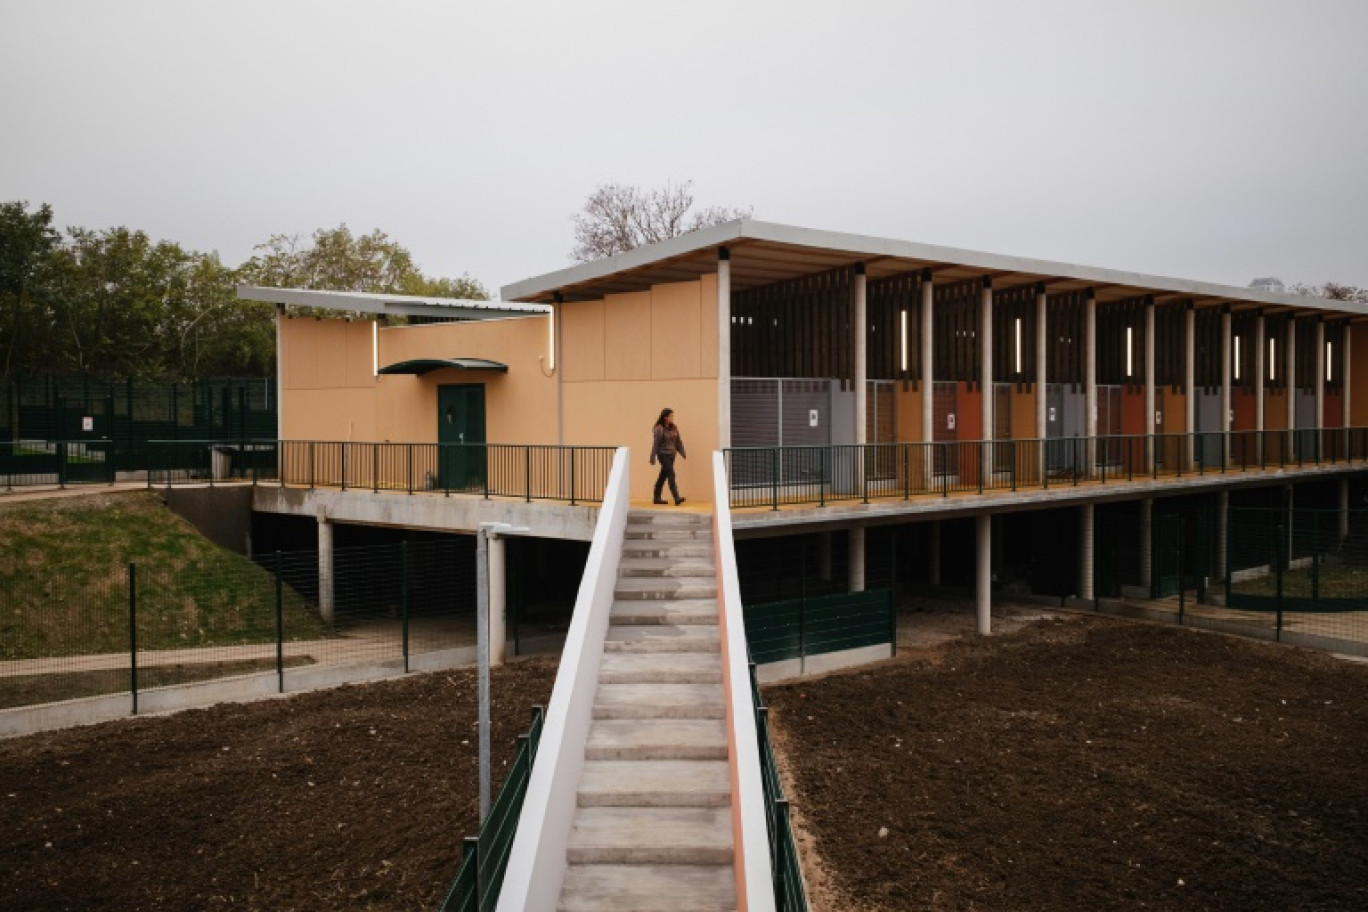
{"x":221,"y":462}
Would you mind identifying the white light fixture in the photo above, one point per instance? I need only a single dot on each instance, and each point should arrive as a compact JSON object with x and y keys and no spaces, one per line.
{"x":1329,"y":363}
{"x":551,"y":343}
{"x":1272,"y":359}
{"x":1237,"y":357}
{"x":903,"y":318}
{"x":1018,"y":345}
{"x":1130,"y":351}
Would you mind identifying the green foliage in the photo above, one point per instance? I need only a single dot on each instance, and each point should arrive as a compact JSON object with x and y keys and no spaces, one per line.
{"x":116,"y":303}
{"x":64,"y":569}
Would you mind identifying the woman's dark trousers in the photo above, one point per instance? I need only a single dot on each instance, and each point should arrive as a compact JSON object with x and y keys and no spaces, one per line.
{"x":666,"y":474}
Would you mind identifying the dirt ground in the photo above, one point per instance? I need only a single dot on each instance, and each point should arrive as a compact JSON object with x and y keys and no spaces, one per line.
{"x":355,"y":798}
{"x":1080,"y":763}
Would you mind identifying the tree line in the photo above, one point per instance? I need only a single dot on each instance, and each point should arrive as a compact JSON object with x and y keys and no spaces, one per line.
{"x":115,"y":303}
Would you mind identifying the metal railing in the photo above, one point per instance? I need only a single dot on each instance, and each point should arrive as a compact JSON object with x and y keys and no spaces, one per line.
{"x":774,"y":476}
{"x":787,"y":874}
{"x":818,"y":624}
{"x":529,"y":471}
{"x":477,"y":884}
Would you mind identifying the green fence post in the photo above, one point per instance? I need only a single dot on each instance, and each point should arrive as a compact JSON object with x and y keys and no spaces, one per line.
{"x":404,"y":598}
{"x":1182,"y":593}
{"x":774,"y":479}
{"x":472,"y":852}
{"x":280,"y":626}
{"x":133,"y":634}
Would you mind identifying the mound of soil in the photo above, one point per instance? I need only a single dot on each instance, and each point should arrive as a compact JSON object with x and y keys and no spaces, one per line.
{"x":353,"y":798}
{"x":1083,"y":764}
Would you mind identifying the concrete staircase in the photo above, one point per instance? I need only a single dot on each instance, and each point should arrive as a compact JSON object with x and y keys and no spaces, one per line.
{"x":653,"y":828}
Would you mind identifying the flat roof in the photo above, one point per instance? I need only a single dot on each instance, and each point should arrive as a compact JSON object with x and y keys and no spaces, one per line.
{"x":765,"y":252}
{"x":390,"y":304}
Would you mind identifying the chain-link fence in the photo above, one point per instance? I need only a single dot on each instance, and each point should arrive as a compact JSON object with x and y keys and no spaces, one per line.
{"x":96,"y":632}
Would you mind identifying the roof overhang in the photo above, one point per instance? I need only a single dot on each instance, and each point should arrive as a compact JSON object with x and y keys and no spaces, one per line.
{"x":762,"y":253}
{"x":420,"y":366}
{"x":390,"y":304}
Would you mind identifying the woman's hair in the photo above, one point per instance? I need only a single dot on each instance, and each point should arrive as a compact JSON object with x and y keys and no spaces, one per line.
{"x":664,"y":413}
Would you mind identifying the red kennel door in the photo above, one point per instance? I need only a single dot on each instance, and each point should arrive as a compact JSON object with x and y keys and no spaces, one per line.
{"x":944,"y":420}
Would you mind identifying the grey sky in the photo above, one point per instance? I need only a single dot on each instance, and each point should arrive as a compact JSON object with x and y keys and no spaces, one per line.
{"x":1202,"y":139}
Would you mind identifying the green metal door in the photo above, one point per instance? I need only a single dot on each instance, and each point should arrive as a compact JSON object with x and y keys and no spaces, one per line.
{"x":461,"y":434}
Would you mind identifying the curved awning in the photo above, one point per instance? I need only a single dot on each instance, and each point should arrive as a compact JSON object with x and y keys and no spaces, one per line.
{"x":422,"y":366}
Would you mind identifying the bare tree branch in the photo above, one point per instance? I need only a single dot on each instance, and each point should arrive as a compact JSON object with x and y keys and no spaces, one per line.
{"x":617,"y":218}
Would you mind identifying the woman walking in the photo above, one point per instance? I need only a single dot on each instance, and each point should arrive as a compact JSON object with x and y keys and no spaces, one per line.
{"x":665,"y":443}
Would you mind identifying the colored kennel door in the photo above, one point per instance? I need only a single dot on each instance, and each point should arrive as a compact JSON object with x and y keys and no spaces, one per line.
{"x":461,"y":435}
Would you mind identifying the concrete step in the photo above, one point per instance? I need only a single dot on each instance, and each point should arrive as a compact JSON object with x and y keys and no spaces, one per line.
{"x":650,"y":835}
{"x":657,"y":739}
{"x":664,"y":611}
{"x":671,"y":566}
{"x":659,"y":701}
{"x":687,"y":587}
{"x":655,"y":783}
{"x":648,"y":888}
{"x":651,"y":548}
{"x":661,"y":668}
{"x":667,"y":533}
{"x":669,"y":518}
{"x":656,"y":638}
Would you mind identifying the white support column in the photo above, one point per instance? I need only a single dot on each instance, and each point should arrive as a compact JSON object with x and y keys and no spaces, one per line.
{"x":1320,"y":389}
{"x":1147,"y":545}
{"x":498,"y":598}
{"x":1290,"y":383}
{"x":1190,"y":379}
{"x":1090,"y":378}
{"x":1225,"y":385}
{"x":856,"y":565}
{"x":860,"y":324}
{"x":327,"y":605}
{"x":1150,"y":423}
{"x":986,"y":378}
{"x":933,"y":554}
{"x":723,"y":347}
{"x":1343,"y":509}
{"x":1087,"y":516}
{"x":983,"y":574}
{"x":1222,"y":532}
{"x":928,"y":356}
{"x":1042,"y":326}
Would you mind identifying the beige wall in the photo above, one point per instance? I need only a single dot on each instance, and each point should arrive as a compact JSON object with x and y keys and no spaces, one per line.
{"x":330,"y":392}
{"x":628,"y":356}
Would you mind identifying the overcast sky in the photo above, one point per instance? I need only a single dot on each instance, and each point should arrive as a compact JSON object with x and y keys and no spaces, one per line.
{"x":1201,"y":139}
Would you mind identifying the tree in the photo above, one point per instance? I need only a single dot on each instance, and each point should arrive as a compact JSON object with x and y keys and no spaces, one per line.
{"x":617,"y":218}
{"x":1333,"y":291}
{"x":26,"y":241}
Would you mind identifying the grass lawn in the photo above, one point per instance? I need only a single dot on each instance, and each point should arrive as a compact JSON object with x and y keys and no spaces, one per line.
{"x":64,"y":581}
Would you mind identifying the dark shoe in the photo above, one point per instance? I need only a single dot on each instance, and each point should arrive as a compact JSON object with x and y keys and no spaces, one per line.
{"x":659,"y":501}
{"x":679,"y":500}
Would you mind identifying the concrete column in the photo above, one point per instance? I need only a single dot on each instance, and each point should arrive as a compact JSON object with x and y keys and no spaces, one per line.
{"x":986,"y":376}
{"x":1343,"y":510}
{"x":1222,"y":532}
{"x":1260,"y":376}
{"x":860,"y":322}
{"x":933,"y":554}
{"x":1147,"y":544}
{"x":1042,"y":380}
{"x":928,"y":356}
{"x":1149,"y":387}
{"x":327,"y":605}
{"x":723,"y":347}
{"x":1087,"y":517}
{"x":1225,"y":384}
{"x":983,"y":574}
{"x":1190,"y":379}
{"x":856,"y":564}
{"x":1320,"y":388}
{"x":498,"y":598}
{"x":1090,"y":376}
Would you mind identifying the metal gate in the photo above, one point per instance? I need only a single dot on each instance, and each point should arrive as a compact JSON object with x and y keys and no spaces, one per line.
{"x":944,"y":408}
